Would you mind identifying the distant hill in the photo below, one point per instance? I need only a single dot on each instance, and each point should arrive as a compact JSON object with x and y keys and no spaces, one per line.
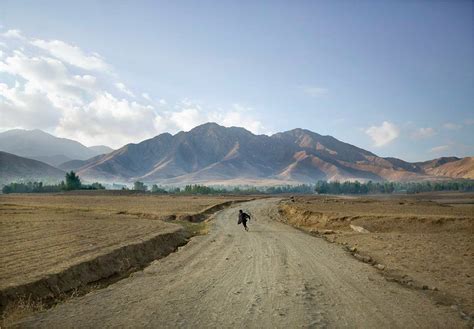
{"x":431,"y":164}
{"x":39,"y":145}
{"x":14,"y":168}
{"x":460,"y":168}
{"x":77,"y":164}
{"x":101,"y":149}
{"x":213,"y":154}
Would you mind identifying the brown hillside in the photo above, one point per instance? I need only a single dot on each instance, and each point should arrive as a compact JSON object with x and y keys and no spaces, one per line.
{"x":463,"y":168}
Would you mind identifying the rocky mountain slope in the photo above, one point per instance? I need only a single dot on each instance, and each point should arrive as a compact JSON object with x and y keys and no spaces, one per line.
{"x":214,"y":154}
{"x":459,"y":168}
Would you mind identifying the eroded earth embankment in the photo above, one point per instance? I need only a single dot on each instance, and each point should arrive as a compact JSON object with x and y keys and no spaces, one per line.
{"x":99,"y":270}
{"x":50,"y":252}
{"x":273,"y":276}
{"x":414,"y":241}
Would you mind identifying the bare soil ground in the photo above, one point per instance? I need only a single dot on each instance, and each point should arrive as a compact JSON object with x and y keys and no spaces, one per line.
{"x":53,"y":243}
{"x":37,"y":241}
{"x":274,"y":276}
{"x":118,"y":202}
{"x":424,"y":241}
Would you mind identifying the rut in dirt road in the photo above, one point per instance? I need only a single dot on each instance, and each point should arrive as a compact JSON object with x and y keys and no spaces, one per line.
{"x":271,"y":277}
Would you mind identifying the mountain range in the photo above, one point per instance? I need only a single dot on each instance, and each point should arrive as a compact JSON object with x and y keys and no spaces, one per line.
{"x":14,"y":168}
{"x":212,"y":154}
{"x":39,"y":145}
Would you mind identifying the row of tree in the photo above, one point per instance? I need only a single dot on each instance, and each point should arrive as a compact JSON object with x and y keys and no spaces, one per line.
{"x":203,"y":189}
{"x":322,"y":187}
{"x":71,"y":182}
{"x":188,"y":189}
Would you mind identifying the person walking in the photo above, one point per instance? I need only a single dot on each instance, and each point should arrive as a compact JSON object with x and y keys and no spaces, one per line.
{"x":243,"y":219}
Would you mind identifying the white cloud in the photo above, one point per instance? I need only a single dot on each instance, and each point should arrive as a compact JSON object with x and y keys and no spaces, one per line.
{"x":160,"y":102}
{"x":52,"y":93}
{"x":146,"y":96}
{"x":424,"y":133}
{"x":48,"y":77}
{"x":452,"y":126}
{"x":120,"y":86}
{"x":72,"y":55}
{"x":439,"y":149}
{"x":55,"y":86}
{"x":110,"y":120}
{"x":238,"y":116}
{"x":188,"y":114}
{"x":187,"y":119}
{"x":383,"y":134}
{"x":314,"y":91}
{"x":26,"y":108}
{"x":14,"y":34}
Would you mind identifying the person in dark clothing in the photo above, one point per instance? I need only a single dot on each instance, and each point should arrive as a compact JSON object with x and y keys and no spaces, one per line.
{"x":243,"y":217}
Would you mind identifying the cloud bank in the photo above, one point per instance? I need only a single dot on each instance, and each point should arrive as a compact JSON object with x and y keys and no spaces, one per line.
{"x":383,"y":134}
{"x":58,"y":87}
{"x":439,"y":149}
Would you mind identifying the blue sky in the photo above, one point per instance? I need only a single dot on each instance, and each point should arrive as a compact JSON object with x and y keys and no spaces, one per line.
{"x":393,"y":77}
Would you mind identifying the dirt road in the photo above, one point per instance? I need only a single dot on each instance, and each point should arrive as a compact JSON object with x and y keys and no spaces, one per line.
{"x":271,"y":277}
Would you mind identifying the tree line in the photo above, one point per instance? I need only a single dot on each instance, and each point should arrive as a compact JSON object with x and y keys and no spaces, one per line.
{"x":204,"y":189}
{"x":71,"y":182}
{"x":321,"y":187}
{"x":335,"y":187}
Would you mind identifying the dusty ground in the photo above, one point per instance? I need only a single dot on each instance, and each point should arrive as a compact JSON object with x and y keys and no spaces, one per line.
{"x":36,"y":241}
{"x":118,"y":202}
{"x":425,"y":240}
{"x":52,"y":243}
{"x":274,"y":276}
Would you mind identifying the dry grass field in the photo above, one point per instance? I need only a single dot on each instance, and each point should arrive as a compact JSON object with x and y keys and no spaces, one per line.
{"x":38,"y":240}
{"x":60,"y":241}
{"x":424,"y":241}
{"x":118,"y":202}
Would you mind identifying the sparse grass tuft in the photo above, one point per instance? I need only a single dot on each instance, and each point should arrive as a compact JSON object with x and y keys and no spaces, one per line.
{"x":193,"y":229}
{"x":20,"y":308}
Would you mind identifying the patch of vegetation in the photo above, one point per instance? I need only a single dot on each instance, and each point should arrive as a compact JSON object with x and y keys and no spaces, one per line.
{"x":22,"y":307}
{"x":156,"y":189}
{"x":73,"y":182}
{"x":193,"y":229}
{"x":140,"y":186}
{"x":197,"y":189}
{"x":324,"y":187}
